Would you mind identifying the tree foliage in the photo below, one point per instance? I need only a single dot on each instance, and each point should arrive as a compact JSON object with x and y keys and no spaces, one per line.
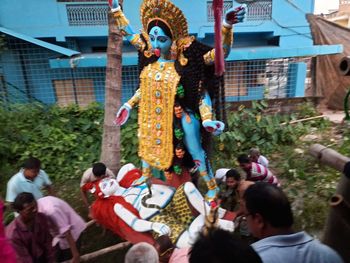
{"x":66,"y":140}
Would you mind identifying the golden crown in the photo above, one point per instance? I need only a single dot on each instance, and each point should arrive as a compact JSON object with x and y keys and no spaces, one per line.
{"x":168,"y":13}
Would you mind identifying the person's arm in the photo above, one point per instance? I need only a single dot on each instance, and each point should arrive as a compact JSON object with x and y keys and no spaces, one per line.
{"x":42,"y":223}
{"x":84,"y":197}
{"x":47,"y":183}
{"x":11,"y":192}
{"x":72,"y":246}
{"x":50,"y":190}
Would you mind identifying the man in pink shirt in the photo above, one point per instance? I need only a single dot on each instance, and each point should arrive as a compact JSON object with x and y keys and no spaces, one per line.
{"x":7,"y":253}
{"x":65,"y":227}
{"x":256,"y":172}
{"x":28,"y":233}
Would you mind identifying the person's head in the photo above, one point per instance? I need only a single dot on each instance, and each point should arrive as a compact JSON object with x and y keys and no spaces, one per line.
{"x":232,"y":178}
{"x":244,"y":162}
{"x":26,"y":206}
{"x":165,"y":248}
{"x":141,"y":253}
{"x":267,"y":210}
{"x":254,"y":154}
{"x":31,"y":168}
{"x":160,"y":37}
{"x":99,"y":169}
{"x":220,"y":246}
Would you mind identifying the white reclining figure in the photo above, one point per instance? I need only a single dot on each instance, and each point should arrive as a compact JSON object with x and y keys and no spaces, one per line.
{"x":180,"y":213}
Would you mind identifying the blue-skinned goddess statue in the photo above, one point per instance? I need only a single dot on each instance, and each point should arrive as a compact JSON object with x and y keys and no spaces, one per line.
{"x":179,"y":98}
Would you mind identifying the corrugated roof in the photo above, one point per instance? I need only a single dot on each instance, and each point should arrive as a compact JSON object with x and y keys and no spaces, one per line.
{"x":56,"y":48}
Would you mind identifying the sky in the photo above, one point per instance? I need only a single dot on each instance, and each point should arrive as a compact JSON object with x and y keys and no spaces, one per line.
{"x":322,"y":6}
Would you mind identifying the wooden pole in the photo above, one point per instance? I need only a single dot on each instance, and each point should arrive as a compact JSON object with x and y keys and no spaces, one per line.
{"x":101,"y":252}
{"x":337,"y":229}
{"x":90,"y":223}
{"x":302,"y":120}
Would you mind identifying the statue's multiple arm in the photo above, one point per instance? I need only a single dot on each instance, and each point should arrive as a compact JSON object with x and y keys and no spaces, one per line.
{"x":124,"y":112}
{"x":125,"y":28}
{"x":205,"y":110}
{"x":232,"y":16}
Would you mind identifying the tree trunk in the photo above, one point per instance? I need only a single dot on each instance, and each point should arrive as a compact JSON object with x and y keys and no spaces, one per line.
{"x":110,"y":149}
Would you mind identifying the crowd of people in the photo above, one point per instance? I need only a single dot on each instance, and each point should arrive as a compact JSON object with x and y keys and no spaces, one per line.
{"x":47,"y":229}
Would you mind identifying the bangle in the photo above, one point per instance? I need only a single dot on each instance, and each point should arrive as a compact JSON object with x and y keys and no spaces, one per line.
{"x":116,"y":9}
{"x":225,"y":24}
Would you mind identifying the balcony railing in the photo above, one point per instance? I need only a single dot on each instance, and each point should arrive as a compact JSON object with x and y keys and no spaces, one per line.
{"x":210,"y":12}
{"x":96,"y":14}
{"x":257,"y":10}
{"x":87,"y":15}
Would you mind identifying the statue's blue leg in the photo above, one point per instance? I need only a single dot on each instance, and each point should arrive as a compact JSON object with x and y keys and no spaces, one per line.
{"x":192,"y":140}
{"x":146,"y":173}
{"x":146,"y":169}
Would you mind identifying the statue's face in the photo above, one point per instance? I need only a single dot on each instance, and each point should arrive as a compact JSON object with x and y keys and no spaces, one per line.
{"x":160,"y":41}
{"x":108,"y":186}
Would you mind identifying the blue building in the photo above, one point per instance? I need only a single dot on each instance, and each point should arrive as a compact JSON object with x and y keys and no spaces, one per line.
{"x":55,"y":50}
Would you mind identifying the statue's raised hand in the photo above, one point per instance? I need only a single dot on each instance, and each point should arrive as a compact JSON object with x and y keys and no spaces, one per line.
{"x":113,"y":4}
{"x":160,"y":228}
{"x":215,"y":127}
{"x":122,"y":114}
{"x":235,"y":15}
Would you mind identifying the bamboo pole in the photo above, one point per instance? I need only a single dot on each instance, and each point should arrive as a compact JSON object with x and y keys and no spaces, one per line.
{"x":337,"y":229}
{"x":90,"y":223}
{"x":302,"y":120}
{"x":101,"y":252}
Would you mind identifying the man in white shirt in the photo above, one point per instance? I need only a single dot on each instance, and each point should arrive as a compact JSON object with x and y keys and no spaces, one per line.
{"x":255,"y":156}
{"x":96,"y":172}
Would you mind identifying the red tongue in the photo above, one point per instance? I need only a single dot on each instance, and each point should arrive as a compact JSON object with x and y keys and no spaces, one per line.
{"x":157,"y":52}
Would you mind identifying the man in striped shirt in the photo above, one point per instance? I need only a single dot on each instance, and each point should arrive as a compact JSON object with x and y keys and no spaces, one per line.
{"x":256,"y":172}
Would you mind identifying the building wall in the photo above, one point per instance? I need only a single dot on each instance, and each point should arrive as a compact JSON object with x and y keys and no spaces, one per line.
{"x":49,"y":18}
{"x":269,"y":24}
